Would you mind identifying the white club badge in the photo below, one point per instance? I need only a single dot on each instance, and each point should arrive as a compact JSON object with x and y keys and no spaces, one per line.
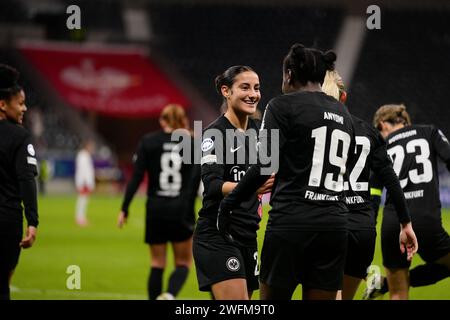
{"x":207,"y":144}
{"x":30,"y":150}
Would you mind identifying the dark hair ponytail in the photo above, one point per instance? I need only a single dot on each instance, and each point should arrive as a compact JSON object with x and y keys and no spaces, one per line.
{"x":308,"y":64}
{"x":9,"y":78}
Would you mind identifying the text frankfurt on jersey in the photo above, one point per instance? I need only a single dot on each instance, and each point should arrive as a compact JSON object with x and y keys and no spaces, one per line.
{"x":310,"y":195}
{"x":354,"y":200}
{"x":414,"y":194}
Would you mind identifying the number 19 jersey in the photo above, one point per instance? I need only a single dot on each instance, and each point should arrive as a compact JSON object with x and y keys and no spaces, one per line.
{"x":316,"y":136}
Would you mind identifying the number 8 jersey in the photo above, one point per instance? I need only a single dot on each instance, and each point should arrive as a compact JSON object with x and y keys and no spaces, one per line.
{"x":172,"y":184}
{"x":414,"y":150}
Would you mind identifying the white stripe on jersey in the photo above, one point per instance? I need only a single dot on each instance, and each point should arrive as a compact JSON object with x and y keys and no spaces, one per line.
{"x":209,"y":159}
{"x":32,"y":160}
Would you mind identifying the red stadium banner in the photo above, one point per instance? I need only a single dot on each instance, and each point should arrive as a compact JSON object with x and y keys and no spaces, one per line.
{"x":111,"y":81}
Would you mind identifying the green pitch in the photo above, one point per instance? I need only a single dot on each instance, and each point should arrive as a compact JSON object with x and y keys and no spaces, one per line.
{"x":114,"y":264}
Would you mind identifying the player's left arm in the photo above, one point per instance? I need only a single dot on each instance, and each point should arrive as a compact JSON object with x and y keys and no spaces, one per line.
{"x":382,"y":167}
{"x":26,"y":170}
{"x":140,"y":160}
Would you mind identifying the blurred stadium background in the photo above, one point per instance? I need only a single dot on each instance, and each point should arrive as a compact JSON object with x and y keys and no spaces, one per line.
{"x":110,"y":79}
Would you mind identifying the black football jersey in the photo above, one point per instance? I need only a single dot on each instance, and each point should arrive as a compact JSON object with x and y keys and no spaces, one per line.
{"x":226,"y":155}
{"x":172,"y":182}
{"x":315,"y":138}
{"x":17,"y":164}
{"x":371,"y":156}
{"x":414,"y":151}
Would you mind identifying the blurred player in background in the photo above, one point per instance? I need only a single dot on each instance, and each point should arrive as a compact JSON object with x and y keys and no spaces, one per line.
{"x":414,"y":150}
{"x":84,"y":180}
{"x":306,"y":235}
{"x":227,"y":264}
{"x":371,"y":155}
{"x":18,"y":168}
{"x":171,"y":194}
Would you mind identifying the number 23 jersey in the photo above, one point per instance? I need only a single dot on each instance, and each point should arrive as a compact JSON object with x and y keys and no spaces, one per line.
{"x":414,"y":150}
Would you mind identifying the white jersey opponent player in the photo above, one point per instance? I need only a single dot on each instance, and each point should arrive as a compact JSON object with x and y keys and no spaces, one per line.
{"x":84,"y":180}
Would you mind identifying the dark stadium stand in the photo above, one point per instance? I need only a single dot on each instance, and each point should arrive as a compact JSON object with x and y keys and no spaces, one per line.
{"x":57,"y":133}
{"x":102,"y":17}
{"x":407,"y":61}
{"x":100,"y":14}
{"x":12,"y":12}
{"x":204,"y":40}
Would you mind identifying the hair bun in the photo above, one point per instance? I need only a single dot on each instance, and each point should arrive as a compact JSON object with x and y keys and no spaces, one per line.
{"x":298,"y":50}
{"x":8,"y":76}
{"x":329,"y":59}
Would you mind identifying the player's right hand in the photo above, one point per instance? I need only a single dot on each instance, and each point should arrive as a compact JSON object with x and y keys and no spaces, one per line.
{"x":408,"y":241}
{"x":267,"y":186}
{"x":29,"y":238}
{"x":122,"y":219}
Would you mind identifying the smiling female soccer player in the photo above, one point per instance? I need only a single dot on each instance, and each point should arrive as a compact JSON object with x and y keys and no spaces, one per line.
{"x":17,"y":172}
{"x":228,"y":265}
{"x":306,"y":235}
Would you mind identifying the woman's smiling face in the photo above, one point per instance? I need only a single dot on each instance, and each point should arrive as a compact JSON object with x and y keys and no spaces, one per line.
{"x":14,"y":108}
{"x":244,"y":94}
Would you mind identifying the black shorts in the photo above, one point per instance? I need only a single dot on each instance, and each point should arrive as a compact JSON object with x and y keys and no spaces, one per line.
{"x":314,"y":259}
{"x":217,"y":260}
{"x":433,"y":244}
{"x":158,"y":231}
{"x":360,"y":251}
{"x":9,"y":251}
